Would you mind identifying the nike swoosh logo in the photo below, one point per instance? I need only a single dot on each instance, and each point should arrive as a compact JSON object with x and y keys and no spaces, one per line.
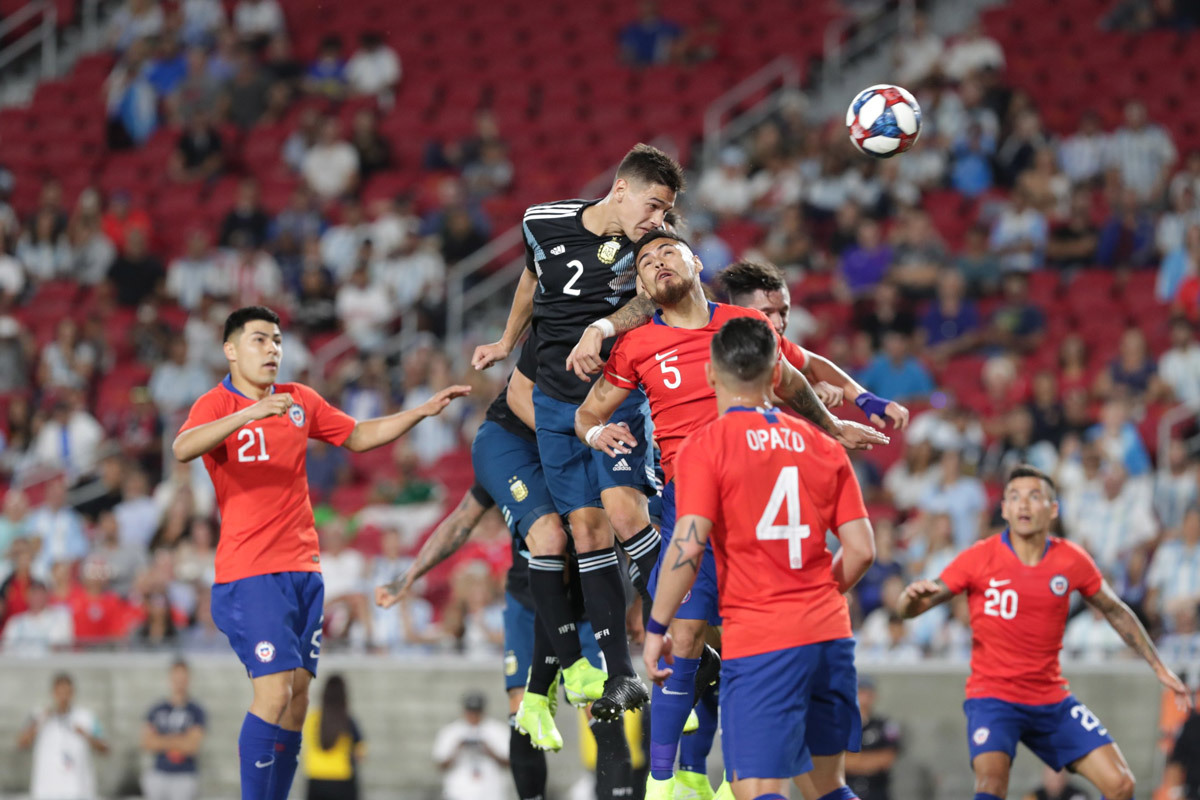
{"x":994,"y":583}
{"x":668,"y":354}
{"x":313,"y":654}
{"x":677,"y":694}
{"x":261,"y":764}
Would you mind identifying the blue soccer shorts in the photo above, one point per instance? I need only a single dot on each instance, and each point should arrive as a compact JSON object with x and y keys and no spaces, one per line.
{"x":518,"y":643}
{"x":575,"y":473}
{"x":509,"y":469}
{"x":273,"y":622}
{"x":702,"y":601}
{"x":779,"y":709}
{"x":1058,"y":733}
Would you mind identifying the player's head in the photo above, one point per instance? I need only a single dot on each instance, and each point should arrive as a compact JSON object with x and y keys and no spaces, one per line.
{"x":759,"y":285}
{"x":180,"y":677}
{"x":1030,"y":501}
{"x":473,"y":705}
{"x":744,"y":360}
{"x":63,"y":689}
{"x":666,"y":266}
{"x":644,"y":190}
{"x":254,"y":344}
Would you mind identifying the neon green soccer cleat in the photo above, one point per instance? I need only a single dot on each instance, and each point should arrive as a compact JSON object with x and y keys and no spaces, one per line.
{"x":583,"y":683}
{"x":724,"y":792}
{"x":693,"y":723}
{"x":660,"y":790}
{"x":692,"y":786}
{"x":535,"y":721}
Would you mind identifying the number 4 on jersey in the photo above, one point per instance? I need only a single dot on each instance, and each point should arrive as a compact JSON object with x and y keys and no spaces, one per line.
{"x":786,"y":493}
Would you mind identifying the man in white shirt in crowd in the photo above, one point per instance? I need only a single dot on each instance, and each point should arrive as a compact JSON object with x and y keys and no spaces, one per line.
{"x":374,"y":69}
{"x":39,"y":630}
{"x":70,"y":439}
{"x":137,"y":514}
{"x":340,"y":243}
{"x":343,"y":570}
{"x":1175,"y":486}
{"x":196,"y":272}
{"x":1143,"y":152}
{"x":972,"y":52}
{"x":1084,"y":153}
{"x":364,"y":309}
{"x":1116,"y":522}
{"x":1179,"y":366}
{"x":917,"y":54}
{"x":1174,"y":577}
{"x":258,"y":20}
{"x":63,"y":738}
{"x":330,"y":167}
{"x":473,"y":753}
{"x":177,"y":382}
{"x":1019,"y":235}
{"x":56,"y":528}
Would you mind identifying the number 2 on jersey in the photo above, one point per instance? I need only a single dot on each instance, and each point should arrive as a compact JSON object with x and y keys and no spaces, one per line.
{"x":786,"y":493}
{"x":246,"y":436}
{"x":570,"y":289}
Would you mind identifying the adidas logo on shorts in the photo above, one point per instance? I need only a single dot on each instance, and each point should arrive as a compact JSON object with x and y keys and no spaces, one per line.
{"x":622,"y":466}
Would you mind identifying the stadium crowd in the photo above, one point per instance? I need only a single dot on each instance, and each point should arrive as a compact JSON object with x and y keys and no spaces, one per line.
{"x":106,"y":543}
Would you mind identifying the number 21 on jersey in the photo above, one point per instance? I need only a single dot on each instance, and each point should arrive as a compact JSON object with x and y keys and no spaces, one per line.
{"x":247,"y":437}
{"x":786,"y":494}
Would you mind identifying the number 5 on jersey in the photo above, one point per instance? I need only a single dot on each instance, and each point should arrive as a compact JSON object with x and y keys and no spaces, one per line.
{"x":246,"y":451}
{"x":786,"y":493}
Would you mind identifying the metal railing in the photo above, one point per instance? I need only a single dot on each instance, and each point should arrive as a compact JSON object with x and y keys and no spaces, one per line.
{"x":44,"y":34}
{"x":782,"y":73}
{"x":871,"y":26}
{"x":1166,"y":424}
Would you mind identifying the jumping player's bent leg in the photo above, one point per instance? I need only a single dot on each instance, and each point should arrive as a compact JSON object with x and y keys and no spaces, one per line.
{"x":1108,"y":770}
{"x":628,"y":511}
{"x":991,"y":773}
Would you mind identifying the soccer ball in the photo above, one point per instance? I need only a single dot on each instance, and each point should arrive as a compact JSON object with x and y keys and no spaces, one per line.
{"x":884,"y":120}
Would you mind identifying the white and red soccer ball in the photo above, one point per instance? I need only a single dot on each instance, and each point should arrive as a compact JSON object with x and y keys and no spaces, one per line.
{"x":884,"y":120}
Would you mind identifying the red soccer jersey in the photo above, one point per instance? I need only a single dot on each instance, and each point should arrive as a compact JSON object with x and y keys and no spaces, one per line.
{"x":261,"y":483}
{"x":772,"y":485}
{"x":668,"y":363}
{"x":1018,"y":615}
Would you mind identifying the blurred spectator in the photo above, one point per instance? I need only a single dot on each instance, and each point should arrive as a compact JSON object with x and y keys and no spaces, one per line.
{"x":330,"y":167}
{"x":1179,"y":366}
{"x":869,"y":771}
{"x":707,"y":42}
{"x":333,"y":745}
{"x":256,"y":21}
{"x":247,"y":215}
{"x":326,"y":76}
{"x":1118,"y":438}
{"x":328,"y":467}
{"x":1017,"y":325}
{"x":1133,"y":373}
{"x":971,"y":161}
{"x":199,"y":154}
{"x":299,"y":221}
{"x":42,"y":251}
{"x":249,"y":273}
{"x":1176,"y":485}
{"x":201,"y":21}
{"x":63,"y":737}
{"x":1187,"y":177}
{"x":909,"y":479}
{"x":474,"y":614}
{"x":1019,"y":234}
{"x":137,"y":514}
{"x":14,"y":592}
{"x":460,"y":234}
{"x":364,"y":311}
{"x":282,"y":69}
{"x":1020,"y":149}
{"x":100,"y":615}
{"x":16,"y":352}
{"x":491,"y":174}
{"x":1057,"y":786}
{"x":885,"y":568}
{"x":1174,"y":577}
{"x":246,"y":92}
{"x":1127,"y":238}
{"x":90,"y":252}
{"x":1046,"y":408}
{"x":1089,"y":637}
{"x":1049,"y":189}
{"x":302,"y":138}
{"x":1084,"y":154}
{"x":137,"y":274}
{"x":1182,"y":777}
{"x":70,"y":438}
{"x":1179,"y":266}
{"x":12,"y":276}
{"x":393,"y":223}
{"x":13,"y":525}
{"x":961,"y":497}
{"x":1018,"y":446}
{"x":316,"y":310}
{"x":865,"y":264}
{"x":473,"y":753}
{"x":135,"y":20}
{"x":176,"y":383}
{"x":122,"y":218}
{"x":1142,"y":152}
{"x":896,"y":373}
{"x":172,"y":735}
{"x":951,"y":325}
{"x":725,"y":187}
{"x":415,"y":275}
{"x":340,"y":244}
{"x":1117,"y":521}
{"x":978,"y":265}
{"x":67,"y":362}
{"x":131,"y":102}
{"x":40,"y":629}
{"x":167,"y":67}
{"x":916,"y":54}
{"x":1171,"y":232}
{"x":1073,"y":242}
{"x":919,"y":252}
{"x":972,"y":52}
{"x":347,"y":611}
{"x":158,"y":628}
{"x":196,"y":273}
{"x":374,"y":68}
{"x":650,"y":40}
{"x":374,"y":151}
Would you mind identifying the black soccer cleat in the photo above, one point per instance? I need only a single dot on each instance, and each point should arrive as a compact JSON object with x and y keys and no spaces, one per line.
{"x":621,"y":693}
{"x":708,"y":674}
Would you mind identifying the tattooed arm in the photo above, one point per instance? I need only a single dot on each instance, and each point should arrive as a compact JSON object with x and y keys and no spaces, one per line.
{"x":794,"y":389}
{"x":920,"y":596}
{"x":1124,"y":622}
{"x":444,"y":542}
{"x":680,"y":565}
{"x":584,"y":359}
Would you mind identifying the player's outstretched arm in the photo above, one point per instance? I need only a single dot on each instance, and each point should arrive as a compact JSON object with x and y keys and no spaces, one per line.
{"x":519,"y":316}
{"x":920,"y":596}
{"x":877,"y":409}
{"x":195,"y":442}
{"x":592,"y":416}
{"x":795,"y":390}
{"x":1126,"y":623}
{"x":584,"y":359}
{"x":856,"y":555}
{"x":680,"y":565}
{"x":372,"y":433}
{"x":444,"y":542}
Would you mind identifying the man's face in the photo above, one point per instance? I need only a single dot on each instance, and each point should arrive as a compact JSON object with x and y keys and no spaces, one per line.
{"x":668,"y":270}
{"x":1028,"y":507}
{"x":179,"y":680}
{"x":641,"y":207}
{"x":256,"y":351}
{"x":64,"y":693}
{"x":775,"y":306}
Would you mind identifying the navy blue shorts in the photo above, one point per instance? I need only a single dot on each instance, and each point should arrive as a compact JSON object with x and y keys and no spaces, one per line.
{"x":780,"y":709}
{"x":518,"y":643}
{"x":1058,"y":733}
{"x":575,"y":473}
{"x":509,"y":469}
{"x":702,"y":601}
{"x":273,"y":622}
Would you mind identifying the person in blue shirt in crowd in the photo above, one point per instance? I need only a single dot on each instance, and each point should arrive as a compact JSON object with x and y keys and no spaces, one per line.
{"x":173,"y":733}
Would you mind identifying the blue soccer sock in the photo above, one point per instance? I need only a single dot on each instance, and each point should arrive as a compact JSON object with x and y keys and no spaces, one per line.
{"x":841,"y":793}
{"x":694,"y":748}
{"x":286,"y":760}
{"x":771,"y":796}
{"x":986,"y":796}
{"x":256,"y":752}
{"x":669,"y":709}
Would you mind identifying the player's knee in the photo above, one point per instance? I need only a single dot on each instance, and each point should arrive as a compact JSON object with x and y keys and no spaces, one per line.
{"x":1121,"y":788}
{"x":274,"y":698}
{"x":686,"y":640}
{"x":591,"y":537}
{"x":627,"y":519}
{"x":547,"y":537}
{"x":991,"y":783}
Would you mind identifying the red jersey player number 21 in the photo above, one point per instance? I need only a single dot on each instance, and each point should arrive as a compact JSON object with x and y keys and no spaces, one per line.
{"x":765,"y":487}
{"x":268,"y":598}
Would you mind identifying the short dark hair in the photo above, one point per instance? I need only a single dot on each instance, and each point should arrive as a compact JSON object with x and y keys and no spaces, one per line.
{"x":676,"y":220}
{"x":62,"y":677}
{"x":1030,"y":471}
{"x":747,"y":277}
{"x":650,"y":165}
{"x":654,"y":236}
{"x":745,"y":348}
{"x":238,"y":319}
{"x":180,"y":663}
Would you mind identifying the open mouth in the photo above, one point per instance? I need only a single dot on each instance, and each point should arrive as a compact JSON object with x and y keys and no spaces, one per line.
{"x":663,"y":273}
{"x":1024,"y":518}
{"x":271,"y":365}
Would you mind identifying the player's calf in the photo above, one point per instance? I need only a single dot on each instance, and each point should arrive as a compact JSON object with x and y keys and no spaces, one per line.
{"x":991,"y":775}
